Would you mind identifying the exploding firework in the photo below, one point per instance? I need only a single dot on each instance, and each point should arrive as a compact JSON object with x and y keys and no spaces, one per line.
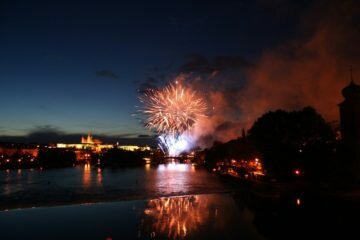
{"x":175,"y":145}
{"x":172,"y":112}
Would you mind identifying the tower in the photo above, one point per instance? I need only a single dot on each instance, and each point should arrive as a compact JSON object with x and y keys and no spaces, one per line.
{"x":350,"y":123}
{"x":89,"y":139}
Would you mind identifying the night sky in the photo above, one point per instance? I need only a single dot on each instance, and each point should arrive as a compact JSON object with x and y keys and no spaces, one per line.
{"x":73,"y":67}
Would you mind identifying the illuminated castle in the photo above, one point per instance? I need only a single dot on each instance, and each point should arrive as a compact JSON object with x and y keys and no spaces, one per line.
{"x":90,"y":140}
{"x":90,"y":143}
{"x":87,"y":143}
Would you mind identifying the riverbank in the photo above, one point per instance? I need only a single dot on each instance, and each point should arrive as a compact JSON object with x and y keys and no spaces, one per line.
{"x":294,"y":190}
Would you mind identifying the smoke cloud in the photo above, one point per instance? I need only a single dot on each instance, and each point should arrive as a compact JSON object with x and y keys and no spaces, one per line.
{"x":310,"y":69}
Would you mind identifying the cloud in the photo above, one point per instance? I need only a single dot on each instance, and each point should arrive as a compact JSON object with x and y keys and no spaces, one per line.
{"x":124,"y":135}
{"x":49,"y":133}
{"x":52,"y":134}
{"x":145,"y":136}
{"x":106,"y":74}
{"x":43,"y":107}
{"x":202,"y":65}
{"x":225,"y":126}
{"x":149,"y":83}
{"x":155,"y":78}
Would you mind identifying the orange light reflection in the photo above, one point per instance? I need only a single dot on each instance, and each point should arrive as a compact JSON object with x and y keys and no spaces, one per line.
{"x":99,"y":177}
{"x":87,"y":175}
{"x":175,"y":217}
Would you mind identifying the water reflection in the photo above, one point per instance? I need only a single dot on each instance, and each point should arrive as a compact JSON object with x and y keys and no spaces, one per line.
{"x":173,"y":178}
{"x":174,"y":167}
{"x":7,"y":186}
{"x":87,"y":175}
{"x":196,"y":217}
{"x":175,"y":217}
{"x":99,"y":177}
{"x":189,"y":217}
{"x":193,"y":169}
{"x":37,"y":187}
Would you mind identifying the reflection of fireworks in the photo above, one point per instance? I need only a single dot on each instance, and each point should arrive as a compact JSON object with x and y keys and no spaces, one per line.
{"x":176,"y":217}
{"x":172,"y":112}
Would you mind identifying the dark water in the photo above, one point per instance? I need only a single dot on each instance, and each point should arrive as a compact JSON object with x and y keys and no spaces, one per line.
{"x":195,"y":217}
{"x":83,"y":184}
{"x":165,"y":202}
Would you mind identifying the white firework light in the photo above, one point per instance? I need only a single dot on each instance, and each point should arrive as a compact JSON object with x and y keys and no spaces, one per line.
{"x":172,"y":112}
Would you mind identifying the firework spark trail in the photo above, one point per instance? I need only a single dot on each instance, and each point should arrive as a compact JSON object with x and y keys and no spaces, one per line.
{"x":172,"y":112}
{"x":173,"y":145}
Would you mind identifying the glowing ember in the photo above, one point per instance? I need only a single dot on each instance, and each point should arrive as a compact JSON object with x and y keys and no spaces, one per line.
{"x":172,"y":112}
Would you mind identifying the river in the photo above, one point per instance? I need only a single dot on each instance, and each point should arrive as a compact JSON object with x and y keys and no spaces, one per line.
{"x":86,"y":183}
{"x":167,"y":201}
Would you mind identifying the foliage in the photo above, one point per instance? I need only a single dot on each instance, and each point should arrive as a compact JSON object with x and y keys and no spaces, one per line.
{"x":54,"y":157}
{"x":122,"y":158}
{"x":282,"y":137}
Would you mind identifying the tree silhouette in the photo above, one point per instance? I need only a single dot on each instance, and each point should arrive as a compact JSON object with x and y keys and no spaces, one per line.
{"x":282,"y":136}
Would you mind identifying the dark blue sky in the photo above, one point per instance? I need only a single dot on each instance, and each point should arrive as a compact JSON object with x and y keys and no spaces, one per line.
{"x":75,"y":66}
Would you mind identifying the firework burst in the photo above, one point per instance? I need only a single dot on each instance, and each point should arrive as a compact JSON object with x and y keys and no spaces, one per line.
{"x":172,"y":112}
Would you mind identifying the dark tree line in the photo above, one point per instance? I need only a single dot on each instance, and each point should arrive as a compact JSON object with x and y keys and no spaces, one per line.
{"x":284,"y":141}
{"x":56,"y":157}
{"x":296,"y":139}
{"x":121,"y":158}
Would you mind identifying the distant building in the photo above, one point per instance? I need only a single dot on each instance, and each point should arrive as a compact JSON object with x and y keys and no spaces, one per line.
{"x":90,"y":140}
{"x":88,"y":143}
{"x":134,"y":148}
{"x":93,"y":144}
{"x":350,"y":123}
{"x":19,"y":149}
